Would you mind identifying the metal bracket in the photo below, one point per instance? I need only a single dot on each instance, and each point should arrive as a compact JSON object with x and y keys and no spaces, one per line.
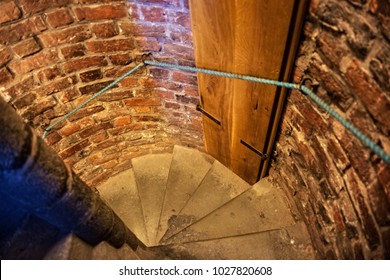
{"x":253,"y":149}
{"x":200,"y":109}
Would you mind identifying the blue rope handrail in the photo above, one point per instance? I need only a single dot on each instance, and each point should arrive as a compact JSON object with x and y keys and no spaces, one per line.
{"x":355,"y":131}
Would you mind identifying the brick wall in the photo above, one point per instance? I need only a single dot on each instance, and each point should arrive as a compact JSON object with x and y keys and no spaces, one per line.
{"x":54,"y":54}
{"x":339,"y":186}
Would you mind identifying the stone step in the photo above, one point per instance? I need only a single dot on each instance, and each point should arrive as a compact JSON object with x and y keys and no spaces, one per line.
{"x":151,"y":173}
{"x":104,"y":251}
{"x":121,"y":194}
{"x":218,"y":187}
{"x":188,"y":169}
{"x":260,"y":208}
{"x":290,"y":243}
{"x":70,"y":248}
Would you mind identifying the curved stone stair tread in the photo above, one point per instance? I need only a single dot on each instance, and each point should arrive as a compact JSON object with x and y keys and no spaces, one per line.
{"x":261,"y":208}
{"x":219,"y":186}
{"x":151,"y":174}
{"x":104,"y":251}
{"x":290,"y":243}
{"x":121,"y":193}
{"x":187,"y":171}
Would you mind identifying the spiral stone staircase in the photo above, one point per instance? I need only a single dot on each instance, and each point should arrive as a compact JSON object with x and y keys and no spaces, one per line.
{"x":186,"y":205}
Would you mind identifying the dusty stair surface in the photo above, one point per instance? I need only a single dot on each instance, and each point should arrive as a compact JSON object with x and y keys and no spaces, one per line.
{"x":186,"y":205}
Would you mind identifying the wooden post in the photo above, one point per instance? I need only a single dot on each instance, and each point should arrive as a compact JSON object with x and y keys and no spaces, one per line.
{"x":250,"y":37}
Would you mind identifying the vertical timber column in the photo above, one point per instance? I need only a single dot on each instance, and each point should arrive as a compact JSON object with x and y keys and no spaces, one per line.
{"x":249,"y":37}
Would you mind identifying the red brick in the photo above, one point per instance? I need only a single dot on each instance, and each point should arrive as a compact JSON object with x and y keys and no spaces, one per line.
{"x":181,"y":36}
{"x":332,"y":49}
{"x":100,"y":12}
{"x":5,"y":56}
{"x":56,"y":86}
{"x":48,"y":74}
{"x":122,"y":121}
{"x":182,"y":19}
{"x":94,"y":129}
{"x":185,"y":78}
{"x":179,"y":51}
{"x":78,"y":64}
{"x":129,"y":82}
{"x":75,"y":148}
{"x":148,"y":44}
{"x":52,"y":138}
{"x":171,"y":105}
{"x":142,"y":102}
{"x":91,"y":75}
{"x":22,"y":87}
{"x":60,"y":17}
{"x":116,"y":95}
{"x":24,"y":101}
{"x":159,"y":73}
{"x":104,"y":30}
{"x":5,"y":76}
{"x":69,"y":129}
{"x":355,"y":188}
{"x":376,"y":102}
{"x":143,"y":110}
{"x":121,"y":59}
{"x":84,"y":112}
{"x":65,"y":36}
{"x":33,"y":62}
{"x":9,"y":12}
{"x":144,"y":30}
{"x":34,"y":6}
{"x":67,"y":95}
{"x":125,"y":128}
{"x":38,"y":108}
{"x":10,"y":34}
{"x":173,"y":3}
{"x":107,"y":46}
{"x":94,"y":88}
{"x":154,"y":14}
{"x":72,"y":51}
{"x":26,"y":47}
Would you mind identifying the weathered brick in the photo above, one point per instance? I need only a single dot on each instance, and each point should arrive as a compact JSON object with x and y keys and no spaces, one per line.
{"x":49,"y":73}
{"x":121,"y":59}
{"x":381,"y":9}
{"x":65,"y":36}
{"x":159,"y":73}
{"x":337,"y":90}
{"x":185,"y":78}
{"x":10,"y":34}
{"x":125,"y":128}
{"x":172,"y":105}
{"x":148,"y":44}
{"x":179,"y":51}
{"x":332,"y":49}
{"x":24,"y":101}
{"x":38,"y":108}
{"x":144,"y":29}
{"x":69,"y":129}
{"x":153,"y":13}
{"x":55,"y":86}
{"x":22,"y":87}
{"x":116,"y":95}
{"x":355,"y":188}
{"x":182,"y":19}
{"x":165,"y":3}
{"x":122,"y":121}
{"x":84,"y":112}
{"x":33,"y":62}
{"x":94,"y":129}
{"x":78,"y":64}
{"x":59,"y":17}
{"x":91,"y":75}
{"x":9,"y":12}
{"x":35,"y":6}
{"x":26,"y":47}
{"x":74,"y":149}
{"x":67,"y":95}
{"x":94,"y":88}
{"x":52,"y":138}
{"x":129,"y":82}
{"x":380,"y":68}
{"x":5,"y":76}
{"x":104,"y":30}
{"x":142,"y":102}
{"x":110,"y":45}
{"x":376,"y":102}
{"x":73,"y":51}
{"x":379,"y":202}
{"x":5,"y":56}
{"x":100,"y":12}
